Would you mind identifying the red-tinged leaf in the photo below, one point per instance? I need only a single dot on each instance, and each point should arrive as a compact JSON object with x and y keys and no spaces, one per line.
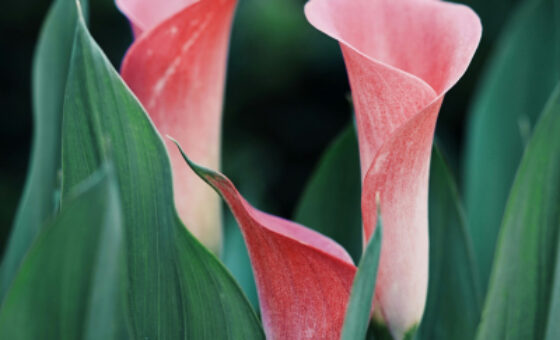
{"x":176,"y":68}
{"x":402,"y":56}
{"x":303,"y":278}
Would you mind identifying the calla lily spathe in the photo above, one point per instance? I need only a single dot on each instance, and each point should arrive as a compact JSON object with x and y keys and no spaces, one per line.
{"x":402,"y":56}
{"x":176,"y":67}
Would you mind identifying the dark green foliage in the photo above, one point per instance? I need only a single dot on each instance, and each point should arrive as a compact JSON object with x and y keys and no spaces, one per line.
{"x":454,"y":304}
{"x":331,"y":201}
{"x":42,"y":189}
{"x":522,"y":300}
{"x":518,"y":80}
{"x":70,"y":282}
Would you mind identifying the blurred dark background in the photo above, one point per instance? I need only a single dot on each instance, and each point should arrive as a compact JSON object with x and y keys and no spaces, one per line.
{"x":286,"y":95}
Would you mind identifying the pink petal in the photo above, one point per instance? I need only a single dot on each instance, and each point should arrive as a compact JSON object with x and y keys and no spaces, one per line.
{"x":303,"y":278}
{"x":401,"y":57}
{"x":177,"y":70}
{"x":147,"y":14}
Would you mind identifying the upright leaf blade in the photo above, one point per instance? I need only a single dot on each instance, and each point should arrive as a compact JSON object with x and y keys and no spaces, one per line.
{"x":39,"y":201}
{"x":454,"y":303}
{"x":358,"y":312}
{"x":331,"y":201}
{"x":553,"y":326}
{"x":520,"y":77}
{"x":518,"y":305}
{"x":177,"y":289}
{"x":70,"y":283}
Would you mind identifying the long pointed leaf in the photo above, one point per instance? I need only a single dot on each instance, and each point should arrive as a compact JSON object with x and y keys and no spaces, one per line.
{"x":519,"y":79}
{"x":518,"y":305}
{"x":177,"y":289}
{"x":358,"y":311}
{"x":70,"y":283}
{"x":39,"y":201}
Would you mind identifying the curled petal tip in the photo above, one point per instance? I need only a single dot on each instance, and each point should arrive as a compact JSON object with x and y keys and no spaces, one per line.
{"x":303,"y":278}
{"x":401,"y":56}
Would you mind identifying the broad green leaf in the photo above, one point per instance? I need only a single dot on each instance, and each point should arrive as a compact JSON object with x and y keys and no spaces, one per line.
{"x":519,"y":78}
{"x":39,"y":201}
{"x":453,"y":305}
{"x":177,"y":288}
{"x":70,"y":283}
{"x":519,"y":301}
{"x":331,"y":201}
{"x":358,"y":311}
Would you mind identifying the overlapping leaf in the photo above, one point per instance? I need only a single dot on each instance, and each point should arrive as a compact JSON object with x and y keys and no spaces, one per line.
{"x":522,"y":297}
{"x":40,"y":197}
{"x":176,"y":288}
{"x":358,"y":311}
{"x":70,"y":283}
{"x":519,"y":79}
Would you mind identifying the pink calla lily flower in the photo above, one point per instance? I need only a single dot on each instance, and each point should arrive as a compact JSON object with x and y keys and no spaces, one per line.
{"x":402,"y":56}
{"x":303,"y":278}
{"x":176,"y":68}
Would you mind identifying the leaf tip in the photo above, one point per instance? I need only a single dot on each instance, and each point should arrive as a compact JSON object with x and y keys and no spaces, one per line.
{"x":201,"y":171}
{"x":378,"y":230}
{"x":80,"y":11}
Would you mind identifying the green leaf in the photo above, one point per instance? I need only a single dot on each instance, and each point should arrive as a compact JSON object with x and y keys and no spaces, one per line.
{"x":69,"y":285}
{"x":553,"y":327}
{"x":525,"y":272}
{"x":39,"y":201}
{"x":453,"y":305}
{"x":358,"y":311}
{"x":236,"y":258}
{"x":331,"y":201}
{"x":177,"y":288}
{"x":519,"y":78}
